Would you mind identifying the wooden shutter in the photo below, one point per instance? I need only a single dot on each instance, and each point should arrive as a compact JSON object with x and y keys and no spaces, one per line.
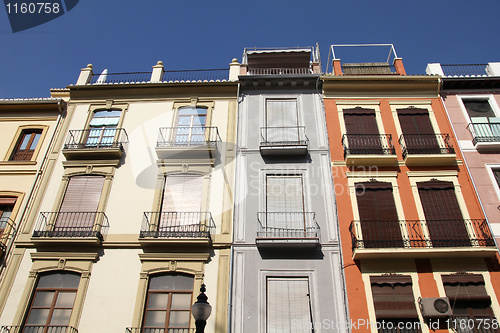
{"x":378,"y":215}
{"x":362,"y":130}
{"x":282,"y":120}
{"x":284,"y":201}
{"x":419,"y":135}
{"x":442,"y":212}
{"x":287,"y":303}
{"x":393,"y":297}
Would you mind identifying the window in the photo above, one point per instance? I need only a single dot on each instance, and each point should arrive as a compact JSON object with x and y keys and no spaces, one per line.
{"x":52,"y":303}
{"x":281,"y":121}
{"x":394,"y":303}
{"x":168,"y":303}
{"x":478,"y":107}
{"x":288,"y":306}
{"x":362,"y":131}
{"x":485,"y":125}
{"x":103,"y":128}
{"x":80,"y":203}
{"x":378,"y":216}
{"x":470,"y":303}
{"x":26,"y":145}
{"x":6,"y":206}
{"x":442,"y":213}
{"x":191,"y":123}
{"x":418,"y":133}
{"x":285,"y":202}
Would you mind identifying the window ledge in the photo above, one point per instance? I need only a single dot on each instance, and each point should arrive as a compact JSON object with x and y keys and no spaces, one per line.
{"x":18,"y":163}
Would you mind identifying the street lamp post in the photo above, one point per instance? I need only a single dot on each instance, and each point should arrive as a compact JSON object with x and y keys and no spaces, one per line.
{"x":201,"y":310}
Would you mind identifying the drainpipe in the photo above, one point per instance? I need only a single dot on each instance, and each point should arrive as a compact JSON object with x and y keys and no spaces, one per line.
{"x":32,"y":189}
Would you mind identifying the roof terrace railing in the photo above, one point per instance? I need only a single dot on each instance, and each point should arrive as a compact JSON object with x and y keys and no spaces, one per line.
{"x":196,"y":75}
{"x":465,"y":70}
{"x":130,"y":77}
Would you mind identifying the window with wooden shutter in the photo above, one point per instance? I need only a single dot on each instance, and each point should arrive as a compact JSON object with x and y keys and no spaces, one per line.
{"x":181,"y":204}
{"x":363,"y":136}
{"x":470,"y":303}
{"x":26,"y":145}
{"x":378,"y":215}
{"x":288,"y":305}
{"x":281,"y":121}
{"x":442,"y":213}
{"x":418,"y":133}
{"x":80,"y":203}
{"x":394,"y":302}
{"x":168,"y":303}
{"x":285,"y":202}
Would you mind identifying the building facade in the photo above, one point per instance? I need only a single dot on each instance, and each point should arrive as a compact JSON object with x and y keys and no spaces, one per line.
{"x":137,"y":212}
{"x":415,"y":242}
{"x":286,"y":271}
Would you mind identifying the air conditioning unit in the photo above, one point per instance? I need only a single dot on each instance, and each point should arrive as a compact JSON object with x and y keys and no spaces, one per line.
{"x":435,"y":307}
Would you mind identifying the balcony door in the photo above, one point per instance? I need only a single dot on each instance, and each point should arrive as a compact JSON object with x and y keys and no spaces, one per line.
{"x":103,"y":127}
{"x":181,"y":204}
{"x":418,"y":133}
{"x":284,"y":204}
{"x":78,"y":210}
{"x":6,"y":205}
{"x":378,"y":216}
{"x":191,"y":123}
{"x":281,"y":121}
{"x":443,"y":215}
{"x":362,"y":132}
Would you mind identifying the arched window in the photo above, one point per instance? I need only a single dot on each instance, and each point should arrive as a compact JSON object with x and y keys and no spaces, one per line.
{"x":168,"y":303}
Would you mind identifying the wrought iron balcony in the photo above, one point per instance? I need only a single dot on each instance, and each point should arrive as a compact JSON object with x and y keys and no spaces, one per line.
{"x":421,"y":234}
{"x":485,"y":136}
{"x":287,"y":229}
{"x":283,"y":140}
{"x":38,"y":329}
{"x":7,"y":234}
{"x":187,"y":141}
{"x":96,"y":143}
{"x":279,"y":71}
{"x":158,"y":330}
{"x":423,"y":149}
{"x":71,"y":225}
{"x":177,"y":225}
{"x":373,"y":149}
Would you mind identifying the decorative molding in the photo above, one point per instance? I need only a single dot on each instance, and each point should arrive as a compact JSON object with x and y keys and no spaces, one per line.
{"x":174,"y":256}
{"x":434,"y":174}
{"x":411,"y":102}
{"x":358,"y":102}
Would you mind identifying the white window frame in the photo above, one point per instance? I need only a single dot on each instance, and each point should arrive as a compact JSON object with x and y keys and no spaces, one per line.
{"x":488,"y":97}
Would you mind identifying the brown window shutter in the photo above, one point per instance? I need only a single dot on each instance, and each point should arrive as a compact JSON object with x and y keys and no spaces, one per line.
{"x":442,"y":212}
{"x":378,"y":215}
{"x":8,"y":200}
{"x":393,"y":297}
{"x":465,"y":287}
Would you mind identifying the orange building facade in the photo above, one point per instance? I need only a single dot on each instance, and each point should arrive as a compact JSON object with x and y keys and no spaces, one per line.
{"x":418,"y":252}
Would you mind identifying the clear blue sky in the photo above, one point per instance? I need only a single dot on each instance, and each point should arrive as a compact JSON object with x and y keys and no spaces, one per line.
{"x":132,"y":35}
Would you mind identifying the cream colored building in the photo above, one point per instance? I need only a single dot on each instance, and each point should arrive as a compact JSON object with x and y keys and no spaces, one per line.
{"x":137,"y":212}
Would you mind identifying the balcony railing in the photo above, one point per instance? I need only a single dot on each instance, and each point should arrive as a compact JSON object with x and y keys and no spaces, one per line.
{"x":177,"y":225}
{"x":465,"y":70}
{"x":281,"y":225}
{"x":202,"y":75}
{"x":158,"y":330}
{"x":279,"y":71}
{"x":130,"y":77}
{"x":38,"y":329}
{"x":426,"y":144}
{"x":420,"y":234}
{"x":97,"y":138}
{"x":484,"y":132}
{"x":71,"y":225}
{"x":7,"y":233}
{"x":195,"y":136}
{"x":368,"y":144}
{"x":283,"y":135}
{"x":375,"y":68}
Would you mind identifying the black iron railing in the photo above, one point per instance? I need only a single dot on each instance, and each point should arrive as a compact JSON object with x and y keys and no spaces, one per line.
{"x":188,"y":136}
{"x":376,"y":68}
{"x":130,"y":77}
{"x":368,"y":144}
{"x":196,"y":75}
{"x":484,"y":132}
{"x":159,"y":330}
{"x":71,"y":224}
{"x":426,"y":144}
{"x":281,"y":225}
{"x":279,"y":71}
{"x":7,"y":233}
{"x":420,"y":234}
{"x":102,"y":138}
{"x":177,"y":225}
{"x":464,"y":70}
{"x":283,"y":136}
{"x":38,"y":329}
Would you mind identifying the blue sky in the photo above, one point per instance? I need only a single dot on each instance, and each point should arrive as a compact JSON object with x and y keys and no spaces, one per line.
{"x":132,"y":35}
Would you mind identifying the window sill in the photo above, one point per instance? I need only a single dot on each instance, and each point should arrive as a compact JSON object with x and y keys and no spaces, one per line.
{"x":17,"y":162}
